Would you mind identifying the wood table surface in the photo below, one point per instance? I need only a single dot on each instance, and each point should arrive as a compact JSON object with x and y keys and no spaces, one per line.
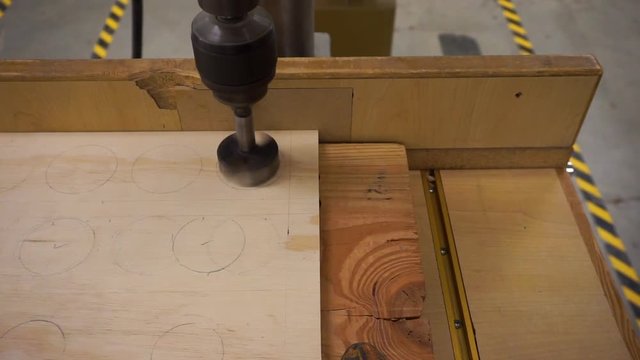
{"x":372,"y":281}
{"x":533,"y":291}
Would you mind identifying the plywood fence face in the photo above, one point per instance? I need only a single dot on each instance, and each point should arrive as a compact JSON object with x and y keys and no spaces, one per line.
{"x":470,"y":110}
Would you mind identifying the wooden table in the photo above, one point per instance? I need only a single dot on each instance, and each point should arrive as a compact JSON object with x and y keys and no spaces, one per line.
{"x":530,"y":288}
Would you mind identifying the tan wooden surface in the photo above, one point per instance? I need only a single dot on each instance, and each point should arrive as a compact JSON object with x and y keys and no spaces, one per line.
{"x":532,"y":289}
{"x":81,"y":106}
{"x":463,"y":107}
{"x":372,"y":279}
{"x":133,"y":246}
{"x":281,"y":109}
{"x":434,"y":309}
{"x":494,"y":158}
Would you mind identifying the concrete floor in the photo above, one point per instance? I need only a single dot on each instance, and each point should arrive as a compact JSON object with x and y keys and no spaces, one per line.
{"x":609,"y":29}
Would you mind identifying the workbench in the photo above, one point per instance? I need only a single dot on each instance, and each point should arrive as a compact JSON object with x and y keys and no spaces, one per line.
{"x":449,"y":228}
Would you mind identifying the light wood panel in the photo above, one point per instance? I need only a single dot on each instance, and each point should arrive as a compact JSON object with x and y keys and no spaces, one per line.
{"x":81,"y":106}
{"x":530,"y":107}
{"x":472,"y":113}
{"x":434,"y":310}
{"x":313,"y":68}
{"x":282,"y":109}
{"x":372,"y":280}
{"x":530,"y":284}
{"x":494,"y":158}
{"x":132,"y":245}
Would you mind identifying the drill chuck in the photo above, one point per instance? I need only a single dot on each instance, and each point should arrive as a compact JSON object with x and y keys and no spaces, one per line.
{"x":235,"y":56}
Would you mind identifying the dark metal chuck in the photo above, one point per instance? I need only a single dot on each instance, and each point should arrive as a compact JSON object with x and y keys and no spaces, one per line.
{"x":234,"y":46}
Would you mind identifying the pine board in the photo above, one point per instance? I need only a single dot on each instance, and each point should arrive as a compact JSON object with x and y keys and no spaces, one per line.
{"x":373,"y":286}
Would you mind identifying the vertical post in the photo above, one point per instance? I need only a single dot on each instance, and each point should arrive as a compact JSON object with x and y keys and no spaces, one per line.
{"x":136,"y":39}
{"x":294,"y":22}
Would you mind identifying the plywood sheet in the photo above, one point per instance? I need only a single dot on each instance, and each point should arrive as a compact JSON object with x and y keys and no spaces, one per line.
{"x":532,"y":290}
{"x":132,"y":246}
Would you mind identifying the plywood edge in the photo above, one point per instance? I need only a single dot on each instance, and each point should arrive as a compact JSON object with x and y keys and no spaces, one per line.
{"x":616,"y":303}
{"x":314,"y":68}
{"x":494,"y":158}
{"x":585,"y":111}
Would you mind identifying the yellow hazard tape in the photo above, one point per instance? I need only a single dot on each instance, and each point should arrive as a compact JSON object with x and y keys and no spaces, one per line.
{"x":610,"y":239}
{"x":580,"y":166}
{"x":511,"y":16}
{"x":100,"y":51}
{"x":108,"y":38}
{"x":588,"y":187}
{"x":117,"y":10}
{"x":111,"y":25}
{"x":523,"y":42}
{"x":624,"y":268}
{"x":633,"y":296}
{"x":599,"y":212}
{"x":4,"y":5}
{"x":517,"y":29}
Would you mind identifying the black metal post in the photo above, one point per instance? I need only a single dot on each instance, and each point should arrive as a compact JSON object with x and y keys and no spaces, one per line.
{"x":136,"y":40}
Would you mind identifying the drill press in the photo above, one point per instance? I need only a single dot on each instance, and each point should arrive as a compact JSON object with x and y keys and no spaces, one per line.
{"x":234,"y":46}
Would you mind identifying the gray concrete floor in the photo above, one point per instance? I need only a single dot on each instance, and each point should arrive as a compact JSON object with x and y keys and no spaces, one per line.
{"x":608,"y":29}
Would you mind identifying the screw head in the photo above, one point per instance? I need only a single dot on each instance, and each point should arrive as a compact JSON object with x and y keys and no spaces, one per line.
{"x":457,"y":323}
{"x":443,"y":251}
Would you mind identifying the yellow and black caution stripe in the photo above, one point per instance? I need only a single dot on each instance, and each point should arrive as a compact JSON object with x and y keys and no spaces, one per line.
{"x":110,"y":27}
{"x":514,"y":22}
{"x":603,"y":222}
{"x":4,"y":5}
{"x":600,"y":216}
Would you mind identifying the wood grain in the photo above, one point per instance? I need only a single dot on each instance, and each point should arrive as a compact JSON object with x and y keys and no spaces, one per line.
{"x":494,"y":158}
{"x":531,"y":286}
{"x":81,"y":106}
{"x":372,"y":281}
{"x":450,"y":105}
{"x":616,"y":303}
{"x":314,"y":68}
{"x":281,"y":109}
{"x":132,"y":245}
{"x":472,"y":113}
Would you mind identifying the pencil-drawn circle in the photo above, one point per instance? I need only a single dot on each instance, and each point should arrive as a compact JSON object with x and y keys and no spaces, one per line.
{"x":190,"y":341}
{"x":81,"y":169}
{"x":14,"y":167}
{"x":166,"y":169}
{"x":205,"y":245}
{"x":56,"y":247}
{"x":33,"y":339}
{"x":144,"y":247}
